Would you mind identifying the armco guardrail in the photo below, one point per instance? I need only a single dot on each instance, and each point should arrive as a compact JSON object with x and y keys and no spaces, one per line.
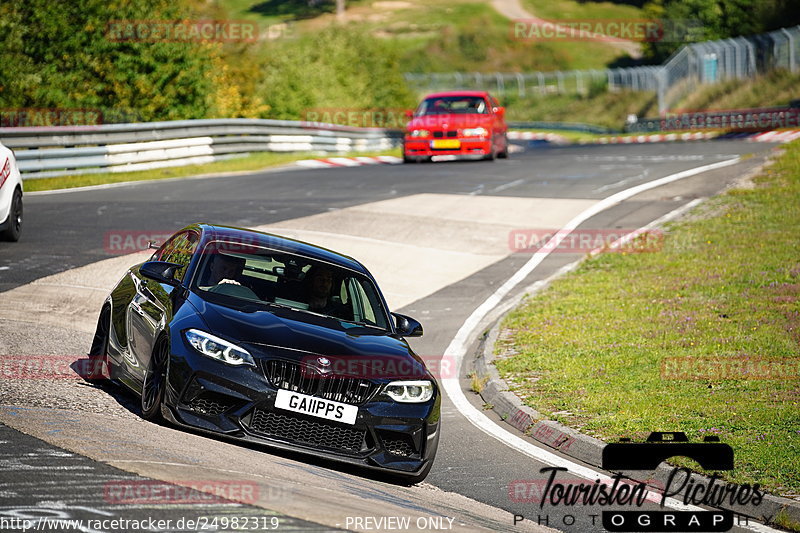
{"x":561,"y":126}
{"x":63,"y":150}
{"x":755,"y":119}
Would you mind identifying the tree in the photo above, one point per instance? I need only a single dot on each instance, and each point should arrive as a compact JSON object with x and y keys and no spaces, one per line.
{"x":62,"y":55}
{"x":700,"y":20}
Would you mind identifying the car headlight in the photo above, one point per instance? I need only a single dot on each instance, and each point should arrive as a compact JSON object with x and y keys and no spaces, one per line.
{"x":410,"y":391}
{"x":219,"y":349}
{"x":475,"y":132}
{"x":420,"y":133}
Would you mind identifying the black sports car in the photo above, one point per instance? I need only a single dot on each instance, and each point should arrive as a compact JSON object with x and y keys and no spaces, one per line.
{"x":272,"y":340}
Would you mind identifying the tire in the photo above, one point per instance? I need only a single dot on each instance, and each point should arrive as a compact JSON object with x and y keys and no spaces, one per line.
{"x":504,"y":153}
{"x":155,"y":379}
{"x":100,"y":367}
{"x":14,"y":229}
{"x":491,"y":155}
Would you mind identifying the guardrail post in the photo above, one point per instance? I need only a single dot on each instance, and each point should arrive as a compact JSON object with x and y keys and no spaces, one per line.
{"x":751,"y":65}
{"x":520,"y":85}
{"x":792,"y":61}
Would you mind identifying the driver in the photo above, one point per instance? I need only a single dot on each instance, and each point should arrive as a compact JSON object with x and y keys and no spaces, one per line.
{"x":224,"y":269}
{"x":318,"y":287}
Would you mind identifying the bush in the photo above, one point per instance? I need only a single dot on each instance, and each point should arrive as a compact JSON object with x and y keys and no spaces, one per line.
{"x":336,"y":68}
{"x":58,"y":55}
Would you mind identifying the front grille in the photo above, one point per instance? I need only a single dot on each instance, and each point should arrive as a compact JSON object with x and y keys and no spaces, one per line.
{"x":211,"y":404}
{"x":399,"y":447}
{"x":308,"y":380}
{"x":307,"y":431}
{"x":449,"y":133}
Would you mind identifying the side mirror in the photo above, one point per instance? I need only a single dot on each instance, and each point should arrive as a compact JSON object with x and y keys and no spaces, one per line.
{"x":500,"y":111}
{"x":409,"y":113}
{"x":161,"y":271}
{"x":407,"y":326}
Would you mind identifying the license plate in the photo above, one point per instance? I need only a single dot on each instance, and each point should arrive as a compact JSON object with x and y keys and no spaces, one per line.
{"x":450,"y":144}
{"x":313,"y":406}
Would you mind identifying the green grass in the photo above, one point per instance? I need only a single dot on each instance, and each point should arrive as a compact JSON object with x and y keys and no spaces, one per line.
{"x":571,"y":10}
{"x":603,"y":109}
{"x":252,"y":162}
{"x":608,"y":109}
{"x":436,"y":35}
{"x":778,"y":87}
{"x":726,"y":284}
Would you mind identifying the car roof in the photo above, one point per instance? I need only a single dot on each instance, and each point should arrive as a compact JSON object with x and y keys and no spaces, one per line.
{"x":457,"y":93}
{"x":276,"y":242}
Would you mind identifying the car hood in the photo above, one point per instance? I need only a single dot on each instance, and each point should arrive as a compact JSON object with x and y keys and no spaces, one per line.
{"x":304,"y":337}
{"x":446,"y":122}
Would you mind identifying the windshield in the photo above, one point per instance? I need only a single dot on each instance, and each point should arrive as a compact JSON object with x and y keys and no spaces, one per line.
{"x":251,"y":274}
{"x":453,"y":105}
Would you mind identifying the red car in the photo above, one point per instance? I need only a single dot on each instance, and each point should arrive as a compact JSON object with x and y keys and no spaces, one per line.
{"x":456,"y":123}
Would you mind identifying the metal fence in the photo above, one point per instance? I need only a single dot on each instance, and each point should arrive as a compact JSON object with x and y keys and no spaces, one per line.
{"x":691,"y":66}
{"x":538,"y":83}
{"x":63,"y":150}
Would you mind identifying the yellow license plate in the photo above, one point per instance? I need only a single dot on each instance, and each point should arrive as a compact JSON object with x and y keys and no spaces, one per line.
{"x":448,"y":144}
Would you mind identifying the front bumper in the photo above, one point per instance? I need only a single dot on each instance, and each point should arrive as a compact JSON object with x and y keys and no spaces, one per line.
{"x":239,"y":402}
{"x":414,"y":147}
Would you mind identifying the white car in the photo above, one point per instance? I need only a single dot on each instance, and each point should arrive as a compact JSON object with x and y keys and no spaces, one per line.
{"x":10,"y":196}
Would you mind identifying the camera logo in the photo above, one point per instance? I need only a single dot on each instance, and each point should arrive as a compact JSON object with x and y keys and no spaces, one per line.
{"x":627,"y":455}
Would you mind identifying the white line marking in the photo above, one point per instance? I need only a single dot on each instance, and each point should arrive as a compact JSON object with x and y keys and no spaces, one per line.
{"x":507,"y":185}
{"x":460,"y":342}
{"x":477,"y":191}
{"x":621,"y":182}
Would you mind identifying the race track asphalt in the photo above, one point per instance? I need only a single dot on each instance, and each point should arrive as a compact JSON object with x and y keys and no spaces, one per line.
{"x":436,"y":237}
